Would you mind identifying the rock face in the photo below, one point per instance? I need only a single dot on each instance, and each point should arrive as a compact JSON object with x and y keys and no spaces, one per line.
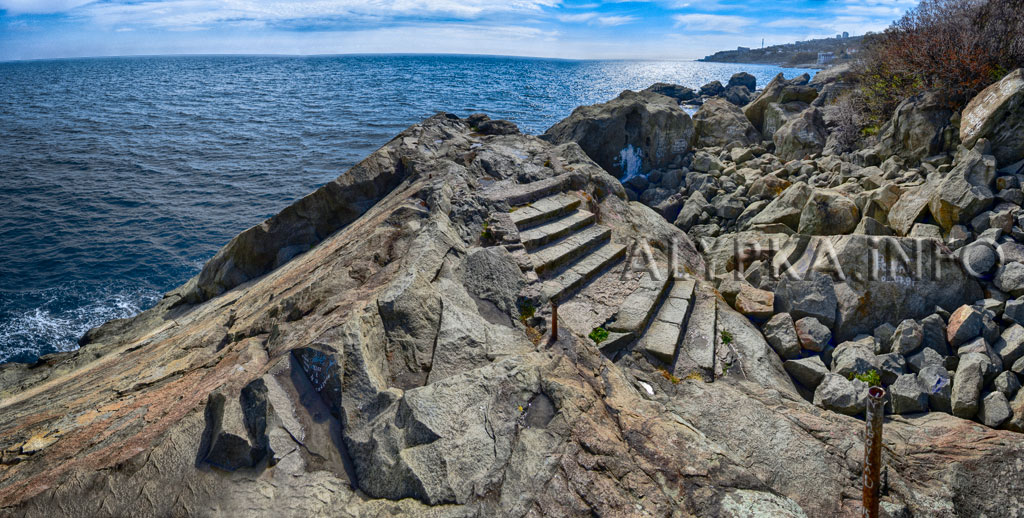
{"x":996,"y":114}
{"x":919,"y":128}
{"x":388,"y":351}
{"x":631,"y":134}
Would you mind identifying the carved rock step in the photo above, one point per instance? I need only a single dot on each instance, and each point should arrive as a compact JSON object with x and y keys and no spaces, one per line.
{"x":662,"y":338}
{"x":544,"y":210}
{"x":548,"y":232}
{"x":582,"y":271}
{"x":551,"y":257}
{"x":520,"y":194}
{"x":638,"y":308}
{"x":699,"y":342}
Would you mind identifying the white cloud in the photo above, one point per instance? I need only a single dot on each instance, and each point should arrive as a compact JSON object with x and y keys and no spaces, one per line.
{"x":571,"y":18}
{"x":612,"y":21}
{"x":190,"y":13}
{"x":712,"y":22}
{"x":40,"y":6}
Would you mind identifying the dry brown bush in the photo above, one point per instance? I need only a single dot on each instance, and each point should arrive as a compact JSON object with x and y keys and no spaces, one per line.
{"x":955,"y":47}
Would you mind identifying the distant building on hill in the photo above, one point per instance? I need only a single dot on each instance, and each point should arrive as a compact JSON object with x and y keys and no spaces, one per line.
{"x":825,"y":58}
{"x":743,"y":49}
{"x":846,"y":35}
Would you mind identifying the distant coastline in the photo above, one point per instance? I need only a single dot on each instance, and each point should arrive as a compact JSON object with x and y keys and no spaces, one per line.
{"x":819,"y":53}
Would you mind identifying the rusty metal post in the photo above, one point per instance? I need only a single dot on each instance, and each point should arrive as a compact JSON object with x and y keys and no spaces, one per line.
{"x":873,"y":451}
{"x":554,"y":320}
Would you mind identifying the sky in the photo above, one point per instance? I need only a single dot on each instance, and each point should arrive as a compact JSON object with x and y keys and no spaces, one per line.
{"x":575,"y":29}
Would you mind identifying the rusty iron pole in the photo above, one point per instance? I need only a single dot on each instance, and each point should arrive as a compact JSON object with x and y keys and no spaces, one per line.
{"x":554,"y":320}
{"x":873,"y":451}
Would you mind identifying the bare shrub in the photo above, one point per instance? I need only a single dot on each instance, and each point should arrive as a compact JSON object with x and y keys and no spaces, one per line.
{"x":846,"y":118}
{"x":954,"y":47}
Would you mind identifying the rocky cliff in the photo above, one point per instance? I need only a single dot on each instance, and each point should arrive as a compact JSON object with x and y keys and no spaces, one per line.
{"x":386,"y":345}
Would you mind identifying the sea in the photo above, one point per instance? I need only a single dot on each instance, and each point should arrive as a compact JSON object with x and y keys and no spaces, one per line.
{"x":120,"y":177}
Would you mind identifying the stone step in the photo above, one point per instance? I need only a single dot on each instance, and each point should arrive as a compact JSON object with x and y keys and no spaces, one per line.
{"x":662,"y":338}
{"x":560,"y":253}
{"x":582,"y":272}
{"x":544,"y":210}
{"x":699,"y":341}
{"x":638,"y":308}
{"x":548,"y":232}
{"x":523,"y":193}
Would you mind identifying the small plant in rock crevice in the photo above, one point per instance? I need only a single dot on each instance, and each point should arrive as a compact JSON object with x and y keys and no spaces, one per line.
{"x":599,"y":334}
{"x":726,"y":337}
{"x":870,"y":377}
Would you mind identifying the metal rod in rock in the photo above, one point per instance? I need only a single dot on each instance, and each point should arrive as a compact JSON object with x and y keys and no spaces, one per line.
{"x":873,"y":451}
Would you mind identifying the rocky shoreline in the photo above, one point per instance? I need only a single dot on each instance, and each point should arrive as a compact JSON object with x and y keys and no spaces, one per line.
{"x":384,"y":346}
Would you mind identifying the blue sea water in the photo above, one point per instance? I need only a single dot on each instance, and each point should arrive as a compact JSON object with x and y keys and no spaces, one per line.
{"x":120,"y":177}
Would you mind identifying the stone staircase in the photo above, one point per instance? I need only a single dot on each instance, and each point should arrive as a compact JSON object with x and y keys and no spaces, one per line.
{"x":564,"y":246}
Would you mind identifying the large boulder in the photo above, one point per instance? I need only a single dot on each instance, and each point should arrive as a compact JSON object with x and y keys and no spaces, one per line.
{"x":814,"y":296}
{"x":776,"y":115}
{"x":828,"y":213}
{"x":918,"y":128}
{"x":677,"y":92}
{"x":997,"y":114}
{"x":743,"y":79}
{"x":838,"y":394}
{"x":786,"y":208}
{"x":875,"y":279}
{"x":631,"y":134}
{"x":803,"y":135}
{"x":966,"y":191}
{"x":772,"y":92}
{"x":719,"y":122}
{"x":712,"y":88}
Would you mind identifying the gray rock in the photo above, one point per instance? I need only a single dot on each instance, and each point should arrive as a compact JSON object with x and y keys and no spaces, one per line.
{"x":838,"y":394}
{"x":995,"y":114}
{"x":776,"y":115}
{"x":814,"y":296}
{"x":965,"y":324}
{"x":1007,"y":383}
{"x":911,"y":206}
{"x":967,"y":384}
{"x":890,"y":367}
{"x":852,"y":358}
{"x":965,"y":191}
{"x":916,"y":128}
{"x":803,"y":135}
{"x":828,"y":213}
{"x":645,"y":129}
{"x":1014,"y":311}
{"x":781,"y":335}
{"x":907,"y":396}
{"x":809,"y":371}
{"x":236,"y":428}
{"x":923,"y":358}
{"x":719,"y":122}
{"x":907,"y":338}
{"x":978,"y":258}
{"x":1016,"y":422}
{"x":938,"y":384}
{"x":934,"y":328}
{"x":786,"y":208}
{"x":712,"y":88}
{"x":1010,"y":346}
{"x":883,"y":336}
{"x":771,"y":94}
{"x":994,"y":410}
{"x":1010,"y":278}
{"x":743,"y":79}
{"x":812,"y":335}
{"x":691,"y":212}
{"x":677,"y":92}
